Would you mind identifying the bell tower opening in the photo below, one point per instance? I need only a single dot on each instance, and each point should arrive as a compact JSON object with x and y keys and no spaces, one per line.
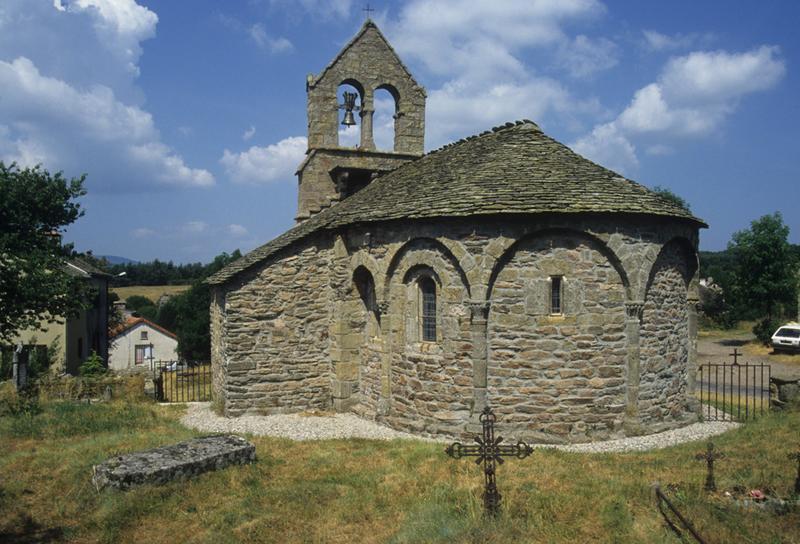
{"x":349,"y":96}
{"x":386,"y":108}
{"x":366,"y":117}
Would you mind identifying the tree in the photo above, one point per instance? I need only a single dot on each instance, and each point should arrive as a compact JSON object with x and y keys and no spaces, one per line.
{"x":189,"y":313}
{"x":764,"y":281}
{"x":34,"y":283}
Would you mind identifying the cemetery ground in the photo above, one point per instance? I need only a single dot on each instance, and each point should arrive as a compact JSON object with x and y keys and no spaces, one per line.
{"x":401,"y":491}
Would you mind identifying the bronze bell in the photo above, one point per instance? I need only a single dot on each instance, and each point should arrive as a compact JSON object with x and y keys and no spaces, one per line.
{"x":349,"y":120}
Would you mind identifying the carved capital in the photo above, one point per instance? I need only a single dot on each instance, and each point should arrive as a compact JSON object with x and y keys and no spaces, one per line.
{"x":694,"y":304}
{"x":634,"y":310}
{"x":382,"y":307}
{"x":478,"y":310}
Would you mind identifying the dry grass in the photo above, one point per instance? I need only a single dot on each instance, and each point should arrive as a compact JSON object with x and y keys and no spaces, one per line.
{"x":153,"y":292}
{"x":370,"y":491}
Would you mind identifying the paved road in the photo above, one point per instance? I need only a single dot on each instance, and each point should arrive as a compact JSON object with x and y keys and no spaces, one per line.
{"x":719,"y":350}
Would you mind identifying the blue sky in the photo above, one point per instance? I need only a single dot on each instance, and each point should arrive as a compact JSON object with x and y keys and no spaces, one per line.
{"x":189,"y":117}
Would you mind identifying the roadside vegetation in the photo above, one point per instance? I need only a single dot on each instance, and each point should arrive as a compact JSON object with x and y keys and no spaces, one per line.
{"x":757,"y":279}
{"x":372,"y":491}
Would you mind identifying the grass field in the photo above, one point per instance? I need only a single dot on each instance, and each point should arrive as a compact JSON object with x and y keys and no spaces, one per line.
{"x":153,"y":292}
{"x":363,"y":491}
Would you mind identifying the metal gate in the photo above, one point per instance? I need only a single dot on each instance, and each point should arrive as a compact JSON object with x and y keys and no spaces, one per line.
{"x":176,"y":381}
{"x":733,"y":391}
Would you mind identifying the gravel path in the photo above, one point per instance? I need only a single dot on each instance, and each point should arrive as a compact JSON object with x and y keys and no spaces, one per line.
{"x":322,"y":427}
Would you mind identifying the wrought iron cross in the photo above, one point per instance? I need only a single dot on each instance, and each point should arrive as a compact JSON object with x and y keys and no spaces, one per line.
{"x":796,"y":456}
{"x":710,"y":455}
{"x":368,"y":10}
{"x":735,"y":355}
{"x":489,"y":452}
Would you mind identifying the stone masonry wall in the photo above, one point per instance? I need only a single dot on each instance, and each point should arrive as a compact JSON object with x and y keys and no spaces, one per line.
{"x":558,"y":378}
{"x":431,"y":382}
{"x":276,"y":327}
{"x":664,"y":341}
{"x":218,"y":340}
{"x":296,"y":335}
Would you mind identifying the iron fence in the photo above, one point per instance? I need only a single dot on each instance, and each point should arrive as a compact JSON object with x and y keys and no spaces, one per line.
{"x":177,"y":381}
{"x":733,"y":391}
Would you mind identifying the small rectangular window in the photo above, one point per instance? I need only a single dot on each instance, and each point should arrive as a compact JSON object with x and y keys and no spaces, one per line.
{"x":143,"y":336}
{"x":555,"y":295}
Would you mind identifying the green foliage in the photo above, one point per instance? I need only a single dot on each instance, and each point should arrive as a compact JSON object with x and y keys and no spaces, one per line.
{"x":763,"y":282}
{"x":187,"y":314}
{"x":672,"y":197}
{"x":35,"y":284}
{"x":156,"y":273}
{"x":764,"y":329}
{"x":67,"y":419}
{"x":93,"y":366}
{"x":136,"y":302}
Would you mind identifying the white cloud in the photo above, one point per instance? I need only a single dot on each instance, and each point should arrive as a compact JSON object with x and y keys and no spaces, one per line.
{"x":476,"y":48}
{"x":194,"y":227}
{"x":276,"y":162}
{"x":236,"y":230}
{"x":249,"y":133}
{"x":693,"y":96}
{"x":719,"y":75}
{"x":583,"y":56}
{"x":62,"y":103}
{"x":274,"y":45}
{"x":606,"y":145}
{"x":657,"y":41}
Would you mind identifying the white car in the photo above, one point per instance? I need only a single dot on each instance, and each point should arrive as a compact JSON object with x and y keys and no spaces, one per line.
{"x":787,"y":338}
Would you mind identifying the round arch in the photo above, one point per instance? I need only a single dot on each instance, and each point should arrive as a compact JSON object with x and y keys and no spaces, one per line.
{"x":595,"y":243}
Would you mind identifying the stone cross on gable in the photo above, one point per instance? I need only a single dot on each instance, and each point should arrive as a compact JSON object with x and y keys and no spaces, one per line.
{"x":368,"y":10}
{"x":489,"y":451}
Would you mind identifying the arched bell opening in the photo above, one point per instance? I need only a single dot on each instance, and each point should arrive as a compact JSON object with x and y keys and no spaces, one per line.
{"x":350,"y":100}
{"x":387,"y":106}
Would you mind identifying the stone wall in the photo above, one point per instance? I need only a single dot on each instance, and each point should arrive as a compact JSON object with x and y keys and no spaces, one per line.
{"x":298,"y":334}
{"x":430,"y":382}
{"x":665,"y":340}
{"x":218,"y":336}
{"x":276,"y":327}
{"x":557,"y":378}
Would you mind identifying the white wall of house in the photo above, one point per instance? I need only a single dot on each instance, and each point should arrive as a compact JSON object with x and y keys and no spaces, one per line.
{"x":142,"y":342}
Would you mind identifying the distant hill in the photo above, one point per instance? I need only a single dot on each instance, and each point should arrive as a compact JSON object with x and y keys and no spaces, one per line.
{"x":114,"y":259}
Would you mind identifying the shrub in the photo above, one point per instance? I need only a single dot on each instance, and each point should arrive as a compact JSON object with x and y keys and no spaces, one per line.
{"x":764,"y":330}
{"x":93,"y":366}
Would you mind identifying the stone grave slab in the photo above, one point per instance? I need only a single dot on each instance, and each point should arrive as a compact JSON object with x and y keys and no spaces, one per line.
{"x":178,"y":461}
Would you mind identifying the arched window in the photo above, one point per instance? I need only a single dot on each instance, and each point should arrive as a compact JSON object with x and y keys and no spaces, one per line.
{"x":366,"y":291}
{"x":427,"y":289}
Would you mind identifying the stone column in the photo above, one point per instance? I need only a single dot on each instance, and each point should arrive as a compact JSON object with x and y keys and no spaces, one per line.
{"x":692,"y":306}
{"x":633,"y":324}
{"x":367,"y":111}
{"x":479,"y":320}
{"x":386,"y":359}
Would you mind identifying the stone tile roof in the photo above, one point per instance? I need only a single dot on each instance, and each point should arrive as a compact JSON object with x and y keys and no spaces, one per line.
{"x":512,"y":169}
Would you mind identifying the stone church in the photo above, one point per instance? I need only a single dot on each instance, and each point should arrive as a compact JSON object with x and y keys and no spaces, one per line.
{"x":502,"y":269}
